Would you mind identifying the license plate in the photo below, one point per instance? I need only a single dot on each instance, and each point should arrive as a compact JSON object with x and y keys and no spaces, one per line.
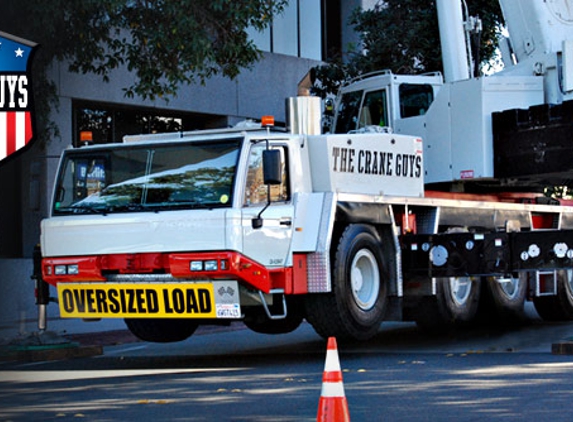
{"x":219,"y":299}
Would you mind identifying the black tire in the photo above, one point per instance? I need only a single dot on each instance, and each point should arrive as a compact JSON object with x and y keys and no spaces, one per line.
{"x":503,"y":299}
{"x":161,"y":330}
{"x":455,"y":304}
{"x":258,"y":321}
{"x":356,"y":306}
{"x":560,"y":306}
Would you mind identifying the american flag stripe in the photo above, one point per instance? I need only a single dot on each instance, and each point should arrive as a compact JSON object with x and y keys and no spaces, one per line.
{"x":15,"y":131}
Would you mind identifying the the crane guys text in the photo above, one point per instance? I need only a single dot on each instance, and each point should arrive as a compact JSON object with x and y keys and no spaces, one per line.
{"x":381,"y":163}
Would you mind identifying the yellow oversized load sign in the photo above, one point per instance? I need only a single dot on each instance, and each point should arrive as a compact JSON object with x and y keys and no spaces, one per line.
{"x":219,"y":299}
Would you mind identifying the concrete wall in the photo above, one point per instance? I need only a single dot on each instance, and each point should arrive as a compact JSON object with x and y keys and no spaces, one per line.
{"x":17,"y":303}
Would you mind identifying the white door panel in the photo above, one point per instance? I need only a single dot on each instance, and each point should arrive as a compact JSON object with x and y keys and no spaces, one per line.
{"x":270,"y":244}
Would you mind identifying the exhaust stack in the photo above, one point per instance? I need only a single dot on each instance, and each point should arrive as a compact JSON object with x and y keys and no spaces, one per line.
{"x":303,"y":115}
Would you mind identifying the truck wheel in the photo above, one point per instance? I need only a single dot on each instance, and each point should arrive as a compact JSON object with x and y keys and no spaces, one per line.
{"x":503,"y":299}
{"x":161,"y":330}
{"x":560,"y":306}
{"x":258,"y":321}
{"x":357,"y":303}
{"x":455,"y":304}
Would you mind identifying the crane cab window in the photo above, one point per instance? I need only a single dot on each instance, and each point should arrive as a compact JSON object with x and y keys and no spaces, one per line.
{"x":256,"y":191}
{"x":358,"y":109}
{"x":374,"y":111}
{"x":415,"y":99}
{"x":347,"y":113}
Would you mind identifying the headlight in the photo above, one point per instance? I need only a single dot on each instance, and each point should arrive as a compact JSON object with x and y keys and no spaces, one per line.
{"x":196,"y":266}
{"x":73,"y":269}
{"x":60,"y":270}
{"x":211,"y":265}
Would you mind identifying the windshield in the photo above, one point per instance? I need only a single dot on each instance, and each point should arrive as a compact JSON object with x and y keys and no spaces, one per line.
{"x":147,"y":178}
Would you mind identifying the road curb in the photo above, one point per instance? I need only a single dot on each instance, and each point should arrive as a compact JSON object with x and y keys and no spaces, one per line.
{"x":48,"y":345}
{"x":49,"y":353}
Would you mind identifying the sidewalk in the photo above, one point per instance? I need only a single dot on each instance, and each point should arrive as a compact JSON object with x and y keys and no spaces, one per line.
{"x":50,"y":346}
{"x":12,"y":329}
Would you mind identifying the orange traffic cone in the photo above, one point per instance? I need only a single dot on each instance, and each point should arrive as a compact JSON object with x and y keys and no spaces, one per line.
{"x":332,"y":406}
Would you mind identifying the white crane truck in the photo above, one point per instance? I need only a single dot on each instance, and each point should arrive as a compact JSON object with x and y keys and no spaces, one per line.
{"x":272,"y":226}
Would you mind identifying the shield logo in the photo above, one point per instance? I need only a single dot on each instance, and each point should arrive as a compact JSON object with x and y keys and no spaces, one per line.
{"x":16,"y":110}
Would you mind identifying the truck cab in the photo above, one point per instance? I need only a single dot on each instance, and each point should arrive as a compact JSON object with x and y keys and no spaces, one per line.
{"x":219,"y":178}
{"x":383,"y":99}
{"x":171,"y":209}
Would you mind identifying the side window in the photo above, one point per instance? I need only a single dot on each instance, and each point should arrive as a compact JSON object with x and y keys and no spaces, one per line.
{"x":255,"y":190}
{"x":415,"y":100}
{"x":347,"y":112}
{"x":374,"y":111}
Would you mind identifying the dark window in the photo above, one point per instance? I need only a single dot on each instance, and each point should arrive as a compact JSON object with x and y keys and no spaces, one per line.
{"x":98,"y":122}
{"x":347,"y":113}
{"x":109,"y":124}
{"x":331,"y":30}
{"x":374,"y":110}
{"x":415,"y":100}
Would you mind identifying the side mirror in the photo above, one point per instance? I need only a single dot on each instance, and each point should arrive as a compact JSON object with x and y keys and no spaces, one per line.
{"x":272,"y":174}
{"x":257,"y":223}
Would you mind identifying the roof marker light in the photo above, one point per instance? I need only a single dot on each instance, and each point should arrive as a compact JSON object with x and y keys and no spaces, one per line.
{"x":267,"y":121}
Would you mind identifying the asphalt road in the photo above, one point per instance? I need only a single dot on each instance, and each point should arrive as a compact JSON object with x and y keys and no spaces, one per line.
{"x":403,"y":374}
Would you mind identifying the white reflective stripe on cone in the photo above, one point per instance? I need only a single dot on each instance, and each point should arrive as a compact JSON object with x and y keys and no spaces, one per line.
{"x":332,"y":389}
{"x":332,"y":363}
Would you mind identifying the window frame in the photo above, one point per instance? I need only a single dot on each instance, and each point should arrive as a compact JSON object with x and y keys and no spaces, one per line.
{"x":262,"y":144}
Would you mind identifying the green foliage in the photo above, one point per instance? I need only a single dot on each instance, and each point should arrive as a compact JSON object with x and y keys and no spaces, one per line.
{"x":492,"y":19}
{"x":403,"y":36}
{"x":398,"y":35}
{"x":329,"y":77}
{"x":164,"y":43}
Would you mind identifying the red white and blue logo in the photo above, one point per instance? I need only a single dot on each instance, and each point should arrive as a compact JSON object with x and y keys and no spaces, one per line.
{"x":16,"y":114}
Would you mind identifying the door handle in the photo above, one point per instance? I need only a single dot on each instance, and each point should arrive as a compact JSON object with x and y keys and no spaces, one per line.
{"x":286,"y":222}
